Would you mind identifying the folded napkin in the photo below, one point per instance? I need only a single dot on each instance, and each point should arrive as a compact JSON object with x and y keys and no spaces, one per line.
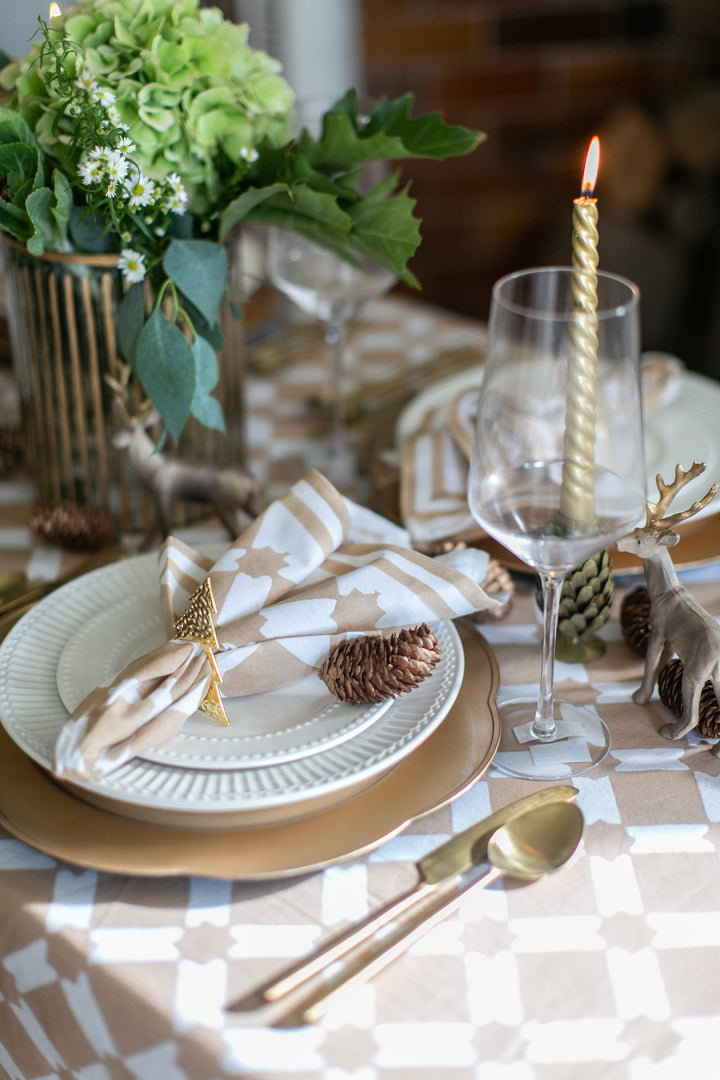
{"x":285,"y":592}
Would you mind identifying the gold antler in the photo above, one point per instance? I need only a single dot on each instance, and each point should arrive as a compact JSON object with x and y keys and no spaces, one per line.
{"x":655,"y":523}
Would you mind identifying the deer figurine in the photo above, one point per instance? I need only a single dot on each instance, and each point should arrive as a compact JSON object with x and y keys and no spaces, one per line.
{"x":678,"y":624}
{"x":169,"y":479}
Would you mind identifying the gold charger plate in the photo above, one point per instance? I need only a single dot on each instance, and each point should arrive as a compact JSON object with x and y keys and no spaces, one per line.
{"x":36,"y":810}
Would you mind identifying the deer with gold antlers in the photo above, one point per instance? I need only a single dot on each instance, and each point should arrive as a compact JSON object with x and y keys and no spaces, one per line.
{"x":228,"y":489}
{"x":678,"y":624}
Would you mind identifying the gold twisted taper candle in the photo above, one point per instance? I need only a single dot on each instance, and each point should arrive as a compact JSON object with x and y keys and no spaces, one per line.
{"x":577,"y":498}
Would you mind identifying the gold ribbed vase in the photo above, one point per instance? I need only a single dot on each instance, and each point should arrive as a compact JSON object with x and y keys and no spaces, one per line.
{"x":62,"y":315}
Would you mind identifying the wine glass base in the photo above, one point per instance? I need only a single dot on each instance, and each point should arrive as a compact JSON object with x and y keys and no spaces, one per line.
{"x":581,"y":742}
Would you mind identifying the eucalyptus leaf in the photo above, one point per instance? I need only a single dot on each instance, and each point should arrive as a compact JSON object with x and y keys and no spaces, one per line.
{"x":208,"y":411}
{"x":165,"y":365}
{"x":204,"y":408}
{"x":207,"y":371}
{"x":199,"y":269}
{"x":131,"y":319}
{"x":201,"y":326}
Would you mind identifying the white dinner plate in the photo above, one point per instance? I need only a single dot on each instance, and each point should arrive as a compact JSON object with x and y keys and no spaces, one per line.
{"x":32,"y":712}
{"x":680,"y":427}
{"x":265,"y":729}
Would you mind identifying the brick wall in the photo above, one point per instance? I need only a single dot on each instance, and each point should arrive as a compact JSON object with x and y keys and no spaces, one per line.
{"x":540,"y":78}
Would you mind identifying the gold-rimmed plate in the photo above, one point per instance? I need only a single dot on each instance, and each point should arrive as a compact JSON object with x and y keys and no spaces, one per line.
{"x":39,"y":812}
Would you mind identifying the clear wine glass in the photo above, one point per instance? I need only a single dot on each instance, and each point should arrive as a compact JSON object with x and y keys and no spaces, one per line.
{"x":330,"y":289}
{"x":557,"y":471}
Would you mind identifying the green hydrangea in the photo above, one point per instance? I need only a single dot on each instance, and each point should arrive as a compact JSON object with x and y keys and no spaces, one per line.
{"x":151,"y":129}
{"x":196,"y":97}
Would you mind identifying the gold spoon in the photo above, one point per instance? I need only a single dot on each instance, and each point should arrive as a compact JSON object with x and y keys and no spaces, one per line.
{"x":527,"y":848}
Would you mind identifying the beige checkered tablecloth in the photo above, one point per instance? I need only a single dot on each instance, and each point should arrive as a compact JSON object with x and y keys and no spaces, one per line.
{"x":608,"y":971}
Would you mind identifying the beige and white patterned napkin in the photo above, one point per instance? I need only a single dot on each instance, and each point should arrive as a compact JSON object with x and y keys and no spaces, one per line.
{"x":287,"y":590}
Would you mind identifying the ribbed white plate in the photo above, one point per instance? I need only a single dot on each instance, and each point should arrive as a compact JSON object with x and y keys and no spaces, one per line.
{"x":32,"y":712}
{"x":265,"y":729}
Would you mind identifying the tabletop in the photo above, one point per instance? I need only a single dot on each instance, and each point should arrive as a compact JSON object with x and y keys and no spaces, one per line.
{"x":607,"y":969}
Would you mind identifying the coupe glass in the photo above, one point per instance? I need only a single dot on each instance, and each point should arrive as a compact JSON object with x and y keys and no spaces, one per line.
{"x":557,"y":471}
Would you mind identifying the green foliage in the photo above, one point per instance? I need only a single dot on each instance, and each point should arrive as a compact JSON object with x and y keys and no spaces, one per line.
{"x":206,"y":117}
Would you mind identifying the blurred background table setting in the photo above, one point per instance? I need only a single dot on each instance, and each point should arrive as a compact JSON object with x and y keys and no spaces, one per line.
{"x":269,"y":580}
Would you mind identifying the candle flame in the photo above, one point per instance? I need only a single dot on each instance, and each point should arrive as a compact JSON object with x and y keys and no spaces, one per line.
{"x":55,"y":9}
{"x":592,"y":164}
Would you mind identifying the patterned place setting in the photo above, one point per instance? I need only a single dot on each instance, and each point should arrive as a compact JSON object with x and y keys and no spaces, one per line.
{"x":178,"y":696}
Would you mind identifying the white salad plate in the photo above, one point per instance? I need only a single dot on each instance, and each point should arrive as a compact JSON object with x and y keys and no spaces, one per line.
{"x":46,"y":650}
{"x":282,"y":725}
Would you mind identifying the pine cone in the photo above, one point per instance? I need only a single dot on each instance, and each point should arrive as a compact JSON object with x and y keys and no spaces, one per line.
{"x":670,"y":692}
{"x":586,"y":598}
{"x":635,"y":619}
{"x":77,"y":528}
{"x":498,"y":580}
{"x":377,"y":668}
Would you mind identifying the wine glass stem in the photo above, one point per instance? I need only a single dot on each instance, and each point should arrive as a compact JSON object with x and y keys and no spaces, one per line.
{"x":543,"y":726}
{"x":335,"y":340}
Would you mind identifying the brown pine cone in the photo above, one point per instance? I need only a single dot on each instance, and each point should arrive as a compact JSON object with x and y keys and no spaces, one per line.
{"x":670,"y":692}
{"x":77,"y":528}
{"x":497,"y":581}
{"x":373,"y":669}
{"x":635,"y":619}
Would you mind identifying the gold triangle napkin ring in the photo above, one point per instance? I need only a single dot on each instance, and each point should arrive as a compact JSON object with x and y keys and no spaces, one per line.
{"x":196,"y":625}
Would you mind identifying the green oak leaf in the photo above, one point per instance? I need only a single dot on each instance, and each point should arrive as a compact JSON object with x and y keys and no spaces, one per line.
{"x":240,"y":208}
{"x":387,"y":232}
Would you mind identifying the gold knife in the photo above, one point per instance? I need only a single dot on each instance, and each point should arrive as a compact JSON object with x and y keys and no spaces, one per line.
{"x":439,"y":872}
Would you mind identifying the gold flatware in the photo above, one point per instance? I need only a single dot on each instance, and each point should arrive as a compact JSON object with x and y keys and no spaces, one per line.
{"x":528,"y":848}
{"x":438,"y":872}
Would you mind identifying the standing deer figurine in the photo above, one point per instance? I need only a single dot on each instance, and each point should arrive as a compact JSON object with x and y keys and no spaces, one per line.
{"x":678,"y":624}
{"x":229,"y":489}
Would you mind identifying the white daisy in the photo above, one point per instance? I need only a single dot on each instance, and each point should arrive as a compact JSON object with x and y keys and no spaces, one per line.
{"x":132,"y":265}
{"x":174,"y":182}
{"x":175,"y":204}
{"x":90,"y":170}
{"x":117,"y":166}
{"x":125,"y":145}
{"x":101,"y":154}
{"x":85,"y":82}
{"x":103,"y":96}
{"x":141,"y":191}
{"x":248,"y":153}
